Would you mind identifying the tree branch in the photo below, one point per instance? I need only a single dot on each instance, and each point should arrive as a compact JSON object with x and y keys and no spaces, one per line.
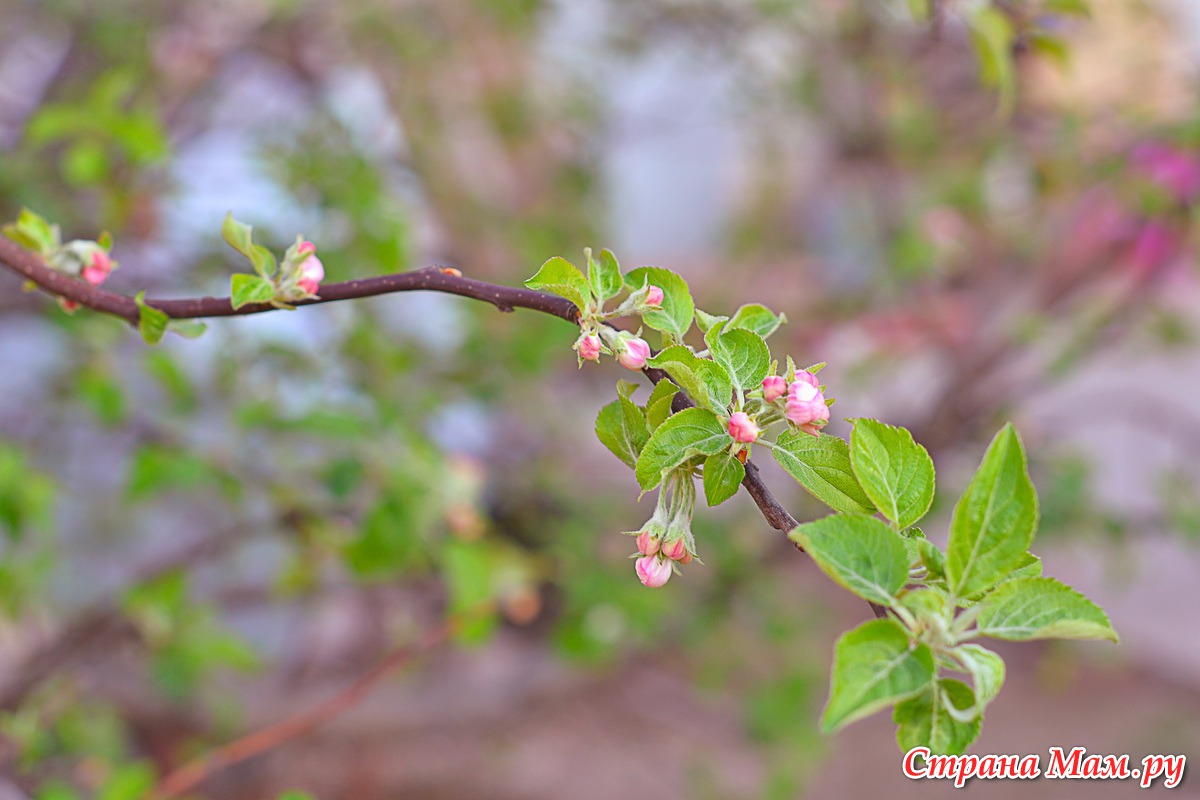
{"x":434,"y":279}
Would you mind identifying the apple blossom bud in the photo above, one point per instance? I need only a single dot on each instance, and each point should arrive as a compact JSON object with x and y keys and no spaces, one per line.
{"x":774,"y":387}
{"x":654,"y":296}
{"x":686,"y":558}
{"x":647,"y":543}
{"x":653,"y":571}
{"x":635,"y":353}
{"x":589,"y":347}
{"x":97,"y":268}
{"x":311,"y":271}
{"x":807,"y":377}
{"x":806,"y":406}
{"x":674,"y":549}
{"x":742,"y":428}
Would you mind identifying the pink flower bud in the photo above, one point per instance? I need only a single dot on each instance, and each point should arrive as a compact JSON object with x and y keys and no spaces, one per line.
{"x":653,"y":571}
{"x":97,"y":268}
{"x":305,"y":249}
{"x":311,"y":271}
{"x":803,"y":375}
{"x":674,"y":549}
{"x":635,"y":353}
{"x":654,"y":296}
{"x":742,"y":428}
{"x":588,"y":347}
{"x":647,"y":543}
{"x":774,"y":387}
{"x":806,"y":406}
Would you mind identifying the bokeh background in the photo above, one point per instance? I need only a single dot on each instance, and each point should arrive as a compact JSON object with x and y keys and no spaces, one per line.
{"x":207,"y":536}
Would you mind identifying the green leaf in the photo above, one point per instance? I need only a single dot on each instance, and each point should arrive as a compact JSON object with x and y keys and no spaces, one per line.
{"x":263,"y":260}
{"x":188,"y":328}
{"x":994,"y":521}
{"x":822,"y":466}
{"x":874,"y":665}
{"x":239,"y":235}
{"x":859,"y":553}
{"x":743,"y":354}
{"x":705,"y":381}
{"x":1041,"y":608}
{"x":561,"y":277}
{"x":986,"y":669}
{"x":933,"y":559}
{"x":704,"y":320}
{"x":993,"y":36}
{"x":925,"y":720}
{"x":658,"y":405}
{"x":691,"y":432}
{"x":604,"y":275}
{"x":675,"y":314}
{"x":893,"y":470}
{"x":245,"y":289}
{"x":152,"y":323}
{"x":33,"y":231}
{"x":757,"y":318}
{"x":621,"y":426}
{"x":723,"y":475}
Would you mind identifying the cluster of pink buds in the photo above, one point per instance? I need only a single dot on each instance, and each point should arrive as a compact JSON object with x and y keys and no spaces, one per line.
{"x":89,"y":260}
{"x":631,"y":351}
{"x":301,"y":272}
{"x":311,"y":271}
{"x":806,"y":406}
{"x":665,"y":542}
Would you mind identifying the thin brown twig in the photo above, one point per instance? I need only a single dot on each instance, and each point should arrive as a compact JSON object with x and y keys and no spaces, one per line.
{"x":195,"y":772}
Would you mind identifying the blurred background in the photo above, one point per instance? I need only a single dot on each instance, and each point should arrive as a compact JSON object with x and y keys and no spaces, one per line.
{"x":973,"y":212}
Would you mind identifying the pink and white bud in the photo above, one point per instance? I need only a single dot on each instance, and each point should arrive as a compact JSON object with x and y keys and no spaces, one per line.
{"x":774,"y":387}
{"x":653,"y":571}
{"x":589,"y":347}
{"x":654,"y":296}
{"x":634,"y":354}
{"x":674,"y":549}
{"x":311,"y":271}
{"x":97,"y":268}
{"x":806,"y":406}
{"x":742,"y":428}
{"x":647,"y":543}
{"x":804,"y":376}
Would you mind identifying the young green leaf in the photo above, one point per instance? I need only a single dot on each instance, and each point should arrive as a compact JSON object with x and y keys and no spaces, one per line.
{"x":239,"y":235}
{"x":691,"y":432}
{"x":993,"y":523}
{"x":1041,"y":608}
{"x":874,"y":665}
{"x":33,"y":231}
{"x":822,"y":466}
{"x":152,"y":323}
{"x":925,"y":721}
{"x":743,"y":354}
{"x":704,"y":320}
{"x":245,"y":289}
{"x":757,"y":318}
{"x":705,"y":381}
{"x":621,"y":426}
{"x":986,"y":669}
{"x":604,"y":275}
{"x":859,"y":553}
{"x":561,"y":277}
{"x":894,"y":471}
{"x":658,"y":405}
{"x":675,"y":314}
{"x":723,"y":475}
{"x":188,"y":328}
